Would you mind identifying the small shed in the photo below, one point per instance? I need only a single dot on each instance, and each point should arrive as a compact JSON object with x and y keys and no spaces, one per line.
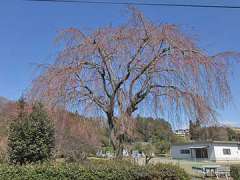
{"x":207,"y":151}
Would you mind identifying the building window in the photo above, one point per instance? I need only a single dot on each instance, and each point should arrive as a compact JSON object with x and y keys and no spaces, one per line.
{"x":226,"y":151}
{"x":185,"y":151}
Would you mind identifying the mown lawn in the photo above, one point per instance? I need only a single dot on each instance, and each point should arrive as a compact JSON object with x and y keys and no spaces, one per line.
{"x":187,"y":165}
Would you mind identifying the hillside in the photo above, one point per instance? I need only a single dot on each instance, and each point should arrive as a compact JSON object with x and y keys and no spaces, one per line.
{"x":71,"y":130}
{"x":3,"y":102}
{"x":4,"y":121}
{"x":4,"y":115}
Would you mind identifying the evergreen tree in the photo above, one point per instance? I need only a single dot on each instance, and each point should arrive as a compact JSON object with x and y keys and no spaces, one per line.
{"x":31,"y":137}
{"x":195,"y":130}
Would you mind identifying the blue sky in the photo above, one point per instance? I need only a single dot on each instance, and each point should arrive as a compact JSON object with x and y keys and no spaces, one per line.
{"x":28,"y":29}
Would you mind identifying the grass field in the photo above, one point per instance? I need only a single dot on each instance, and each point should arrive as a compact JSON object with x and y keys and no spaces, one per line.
{"x":187,"y":165}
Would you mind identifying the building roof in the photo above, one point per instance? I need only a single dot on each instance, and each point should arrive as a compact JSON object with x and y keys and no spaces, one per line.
{"x":197,"y":147}
{"x":206,"y":142}
{"x":236,"y":129}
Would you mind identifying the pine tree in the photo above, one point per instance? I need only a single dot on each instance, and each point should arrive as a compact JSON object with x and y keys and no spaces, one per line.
{"x":195,"y":130}
{"x":31,"y":136}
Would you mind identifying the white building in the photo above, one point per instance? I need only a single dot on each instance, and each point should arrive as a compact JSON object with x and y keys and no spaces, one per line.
{"x":182,"y":132}
{"x":210,"y":151}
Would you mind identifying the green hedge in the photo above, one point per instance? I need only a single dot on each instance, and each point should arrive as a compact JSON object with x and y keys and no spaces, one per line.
{"x":107,"y":170}
{"x":235,"y":172}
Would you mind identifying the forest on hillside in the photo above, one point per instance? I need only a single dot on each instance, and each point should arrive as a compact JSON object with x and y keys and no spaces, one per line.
{"x":75,"y":133}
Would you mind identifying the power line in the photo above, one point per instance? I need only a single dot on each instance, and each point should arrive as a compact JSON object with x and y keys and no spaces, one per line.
{"x":140,"y":4}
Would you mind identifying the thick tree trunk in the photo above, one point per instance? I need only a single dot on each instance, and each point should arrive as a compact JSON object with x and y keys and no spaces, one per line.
{"x":120,"y":148}
{"x":117,"y":142}
{"x":111,"y":130}
{"x":121,"y":137}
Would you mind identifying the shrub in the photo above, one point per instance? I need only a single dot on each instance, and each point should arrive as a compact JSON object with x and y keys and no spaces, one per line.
{"x":235,"y":172}
{"x":74,"y":150}
{"x":97,"y":170}
{"x":31,"y":137}
{"x":168,"y":171}
{"x":3,"y":156}
{"x":75,"y":156}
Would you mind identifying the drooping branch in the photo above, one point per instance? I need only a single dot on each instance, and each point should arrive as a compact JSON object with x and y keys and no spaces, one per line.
{"x":117,"y":70}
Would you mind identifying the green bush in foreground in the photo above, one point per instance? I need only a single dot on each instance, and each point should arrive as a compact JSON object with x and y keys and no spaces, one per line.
{"x":235,"y":172}
{"x":107,"y":170}
{"x":31,"y":136}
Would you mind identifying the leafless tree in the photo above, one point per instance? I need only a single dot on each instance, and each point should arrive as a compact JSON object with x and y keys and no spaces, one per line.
{"x":137,"y":65}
